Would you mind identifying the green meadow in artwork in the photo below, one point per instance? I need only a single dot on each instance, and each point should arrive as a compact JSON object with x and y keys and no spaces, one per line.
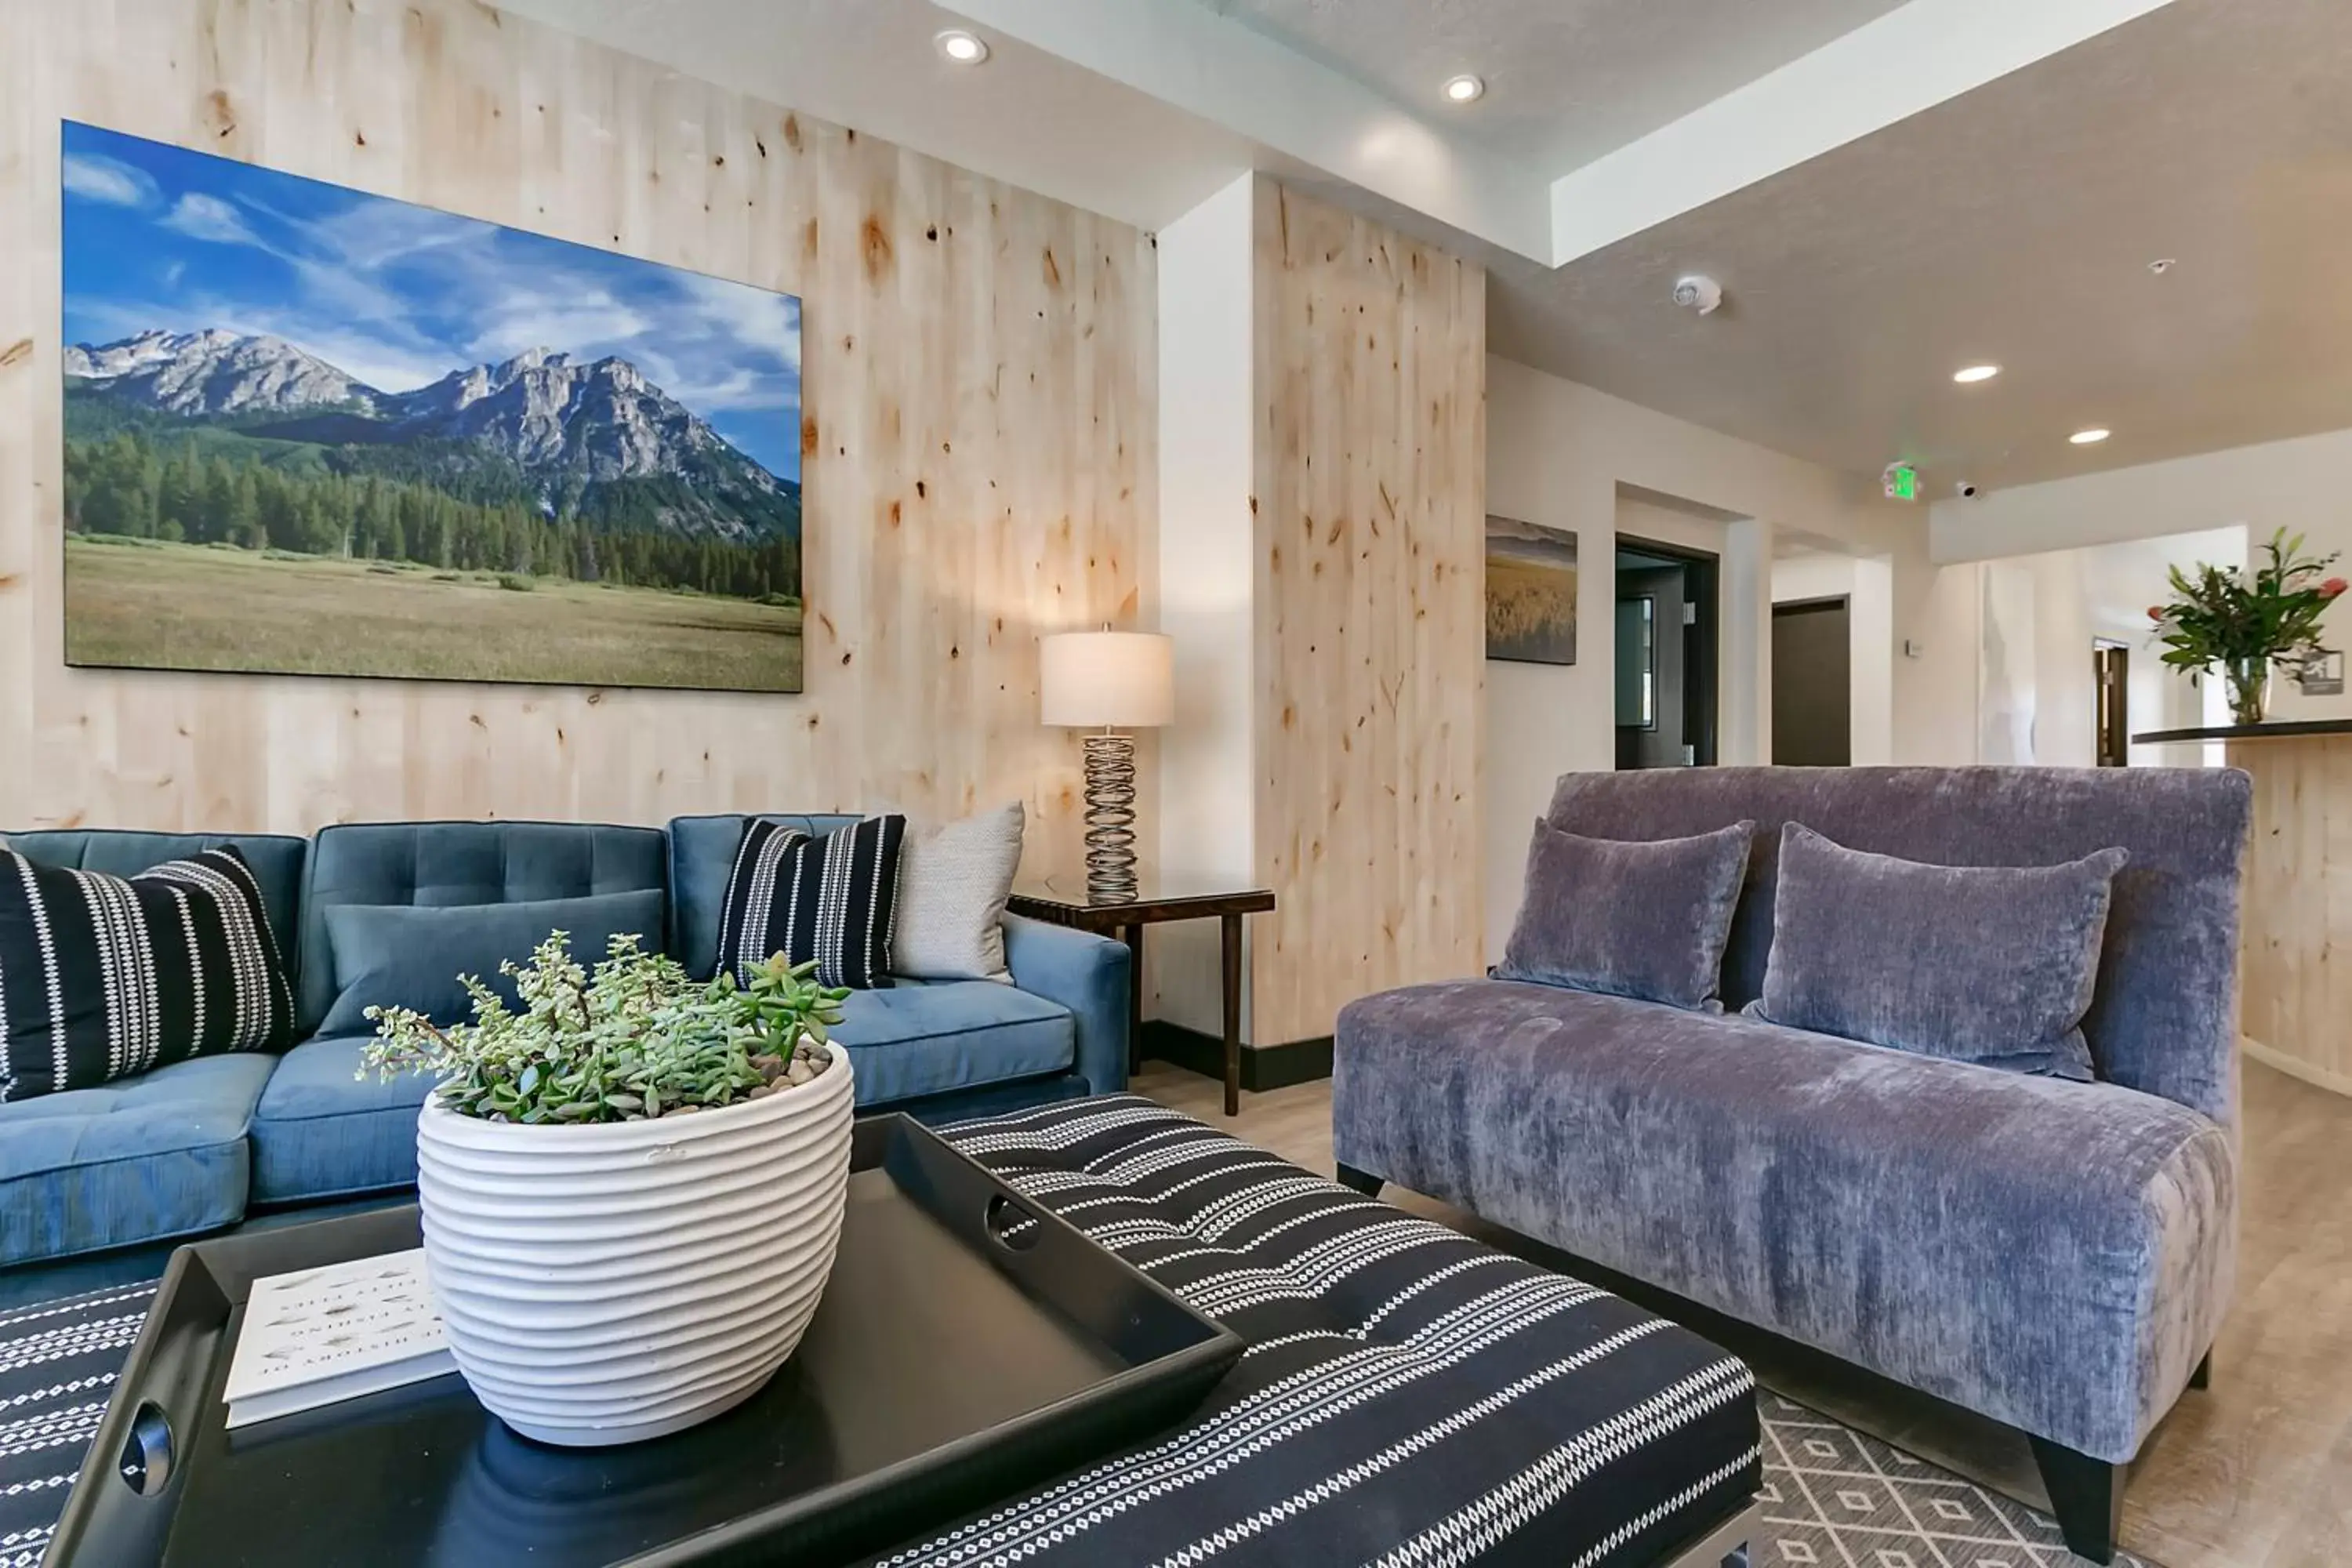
{"x":310,"y":431}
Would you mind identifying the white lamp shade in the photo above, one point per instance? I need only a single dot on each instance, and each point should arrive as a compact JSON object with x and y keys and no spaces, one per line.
{"x":1125,"y":680}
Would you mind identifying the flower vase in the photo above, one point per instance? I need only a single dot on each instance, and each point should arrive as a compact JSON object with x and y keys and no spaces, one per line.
{"x":2250,"y":690}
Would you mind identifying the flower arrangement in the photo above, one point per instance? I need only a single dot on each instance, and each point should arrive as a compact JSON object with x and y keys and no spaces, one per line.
{"x":634,"y":1040}
{"x":2246,"y":621}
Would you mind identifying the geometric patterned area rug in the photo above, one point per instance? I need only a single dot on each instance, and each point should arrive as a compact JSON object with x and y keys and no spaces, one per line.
{"x":1836,"y":1497}
{"x":57,"y":1361}
{"x":1832,"y":1497}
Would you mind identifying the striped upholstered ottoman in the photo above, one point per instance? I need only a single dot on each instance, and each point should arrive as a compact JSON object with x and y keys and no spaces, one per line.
{"x":1410,"y":1396}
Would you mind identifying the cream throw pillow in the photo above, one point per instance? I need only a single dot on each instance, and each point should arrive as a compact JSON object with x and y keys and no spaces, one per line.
{"x":953,"y":880}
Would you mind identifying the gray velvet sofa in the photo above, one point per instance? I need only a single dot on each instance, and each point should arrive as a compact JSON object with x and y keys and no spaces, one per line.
{"x":2056,"y":1255}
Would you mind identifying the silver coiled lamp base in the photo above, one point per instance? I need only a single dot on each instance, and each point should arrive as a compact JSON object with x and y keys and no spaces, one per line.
{"x":1110,"y":818}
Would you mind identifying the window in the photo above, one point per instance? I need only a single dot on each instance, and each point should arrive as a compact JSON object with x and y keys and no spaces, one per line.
{"x":1637,"y":663}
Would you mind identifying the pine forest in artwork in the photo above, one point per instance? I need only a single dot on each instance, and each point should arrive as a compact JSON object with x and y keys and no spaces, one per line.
{"x":312,"y":431}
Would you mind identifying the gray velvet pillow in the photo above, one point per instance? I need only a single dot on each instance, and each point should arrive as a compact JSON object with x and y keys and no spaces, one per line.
{"x":1992,"y":964}
{"x":1647,"y":920}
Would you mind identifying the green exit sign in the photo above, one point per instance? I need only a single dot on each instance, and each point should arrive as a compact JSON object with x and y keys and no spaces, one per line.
{"x":1902,"y":482}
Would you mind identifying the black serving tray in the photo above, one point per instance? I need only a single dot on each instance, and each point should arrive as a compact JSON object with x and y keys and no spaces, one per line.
{"x":970,"y":1345}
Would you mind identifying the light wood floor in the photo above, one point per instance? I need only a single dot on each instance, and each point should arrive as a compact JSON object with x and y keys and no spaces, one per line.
{"x":2255,"y":1473}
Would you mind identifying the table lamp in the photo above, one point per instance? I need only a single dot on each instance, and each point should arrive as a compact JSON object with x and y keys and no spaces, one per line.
{"x":1111,"y":681}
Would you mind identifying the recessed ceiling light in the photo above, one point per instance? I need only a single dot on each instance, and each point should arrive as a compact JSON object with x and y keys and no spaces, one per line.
{"x":1975,"y":373}
{"x":1467,"y":88}
{"x":962,"y":48}
{"x":2162,"y":265}
{"x":2089,"y":437}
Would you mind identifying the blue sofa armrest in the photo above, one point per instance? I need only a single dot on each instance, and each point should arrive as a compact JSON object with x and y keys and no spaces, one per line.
{"x":1086,"y":974}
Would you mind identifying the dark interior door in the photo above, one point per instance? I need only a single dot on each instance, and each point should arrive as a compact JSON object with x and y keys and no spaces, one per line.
{"x":1650,"y":686}
{"x":1812,"y":685}
{"x":2113,"y":672}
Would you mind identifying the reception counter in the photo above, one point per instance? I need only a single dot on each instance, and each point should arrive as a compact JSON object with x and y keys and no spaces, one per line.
{"x":2296,"y":953}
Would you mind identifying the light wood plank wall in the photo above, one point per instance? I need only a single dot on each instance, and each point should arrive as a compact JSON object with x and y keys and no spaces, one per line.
{"x":980,"y":390}
{"x":2295,"y":988}
{"x":1370,"y":624}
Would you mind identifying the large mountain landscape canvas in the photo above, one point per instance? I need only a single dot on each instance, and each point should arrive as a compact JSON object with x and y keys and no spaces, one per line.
{"x":311,"y":431}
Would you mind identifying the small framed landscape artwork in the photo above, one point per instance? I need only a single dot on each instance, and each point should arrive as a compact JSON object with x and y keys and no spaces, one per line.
{"x":1530,"y":593}
{"x":310,"y":431}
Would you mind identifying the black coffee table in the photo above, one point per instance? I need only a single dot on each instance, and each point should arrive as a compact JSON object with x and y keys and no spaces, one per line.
{"x":969,"y":1345}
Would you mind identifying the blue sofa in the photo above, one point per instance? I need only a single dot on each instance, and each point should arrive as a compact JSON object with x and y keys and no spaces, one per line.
{"x":194,"y":1146}
{"x":2056,"y":1255}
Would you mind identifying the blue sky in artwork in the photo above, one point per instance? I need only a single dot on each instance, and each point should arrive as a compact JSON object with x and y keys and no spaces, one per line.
{"x":398,"y":295}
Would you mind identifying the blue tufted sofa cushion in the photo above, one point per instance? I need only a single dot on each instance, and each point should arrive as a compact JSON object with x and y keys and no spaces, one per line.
{"x":163,"y":1153}
{"x":1074,"y":972}
{"x":921,"y":1038}
{"x":444,"y":864}
{"x":321,"y":1130}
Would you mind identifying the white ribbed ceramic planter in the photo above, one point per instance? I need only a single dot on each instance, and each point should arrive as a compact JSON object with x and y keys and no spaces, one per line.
{"x":611,"y":1283}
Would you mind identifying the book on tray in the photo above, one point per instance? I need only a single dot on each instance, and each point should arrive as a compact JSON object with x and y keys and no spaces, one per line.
{"x":320,"y":1335}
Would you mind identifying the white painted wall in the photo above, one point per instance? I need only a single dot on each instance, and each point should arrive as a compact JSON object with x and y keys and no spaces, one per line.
{"x":2066,"y":729}
{"x":1744,"y":700}
{"x":2120,"y":582}
{"x":1657,"y":518}
{"x":2298,"y":484}
{"x":1875,"y":649}
{"x":1560,"y":454}
{"x":1207,"y":816}
{"x":1815,"y":575}
{"x":2079,"y":597}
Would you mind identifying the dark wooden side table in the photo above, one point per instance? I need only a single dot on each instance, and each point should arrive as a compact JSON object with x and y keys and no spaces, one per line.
{"x":1064,"y":902}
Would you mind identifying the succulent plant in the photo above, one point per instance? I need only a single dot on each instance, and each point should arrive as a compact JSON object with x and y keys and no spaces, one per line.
{"x":633,"y":1040}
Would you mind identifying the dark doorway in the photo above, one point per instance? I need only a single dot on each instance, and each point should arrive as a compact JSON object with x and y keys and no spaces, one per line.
{"x":1665,"y":642}
{"x":1812,"y":684}
{"x":2110,"y":665}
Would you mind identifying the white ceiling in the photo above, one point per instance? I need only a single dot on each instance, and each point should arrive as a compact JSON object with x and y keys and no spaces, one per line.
{"x":1565,"y":83}
{"x":1028,"y":117}
{"x":2005,"y":214}
{"x":2013,"y":226}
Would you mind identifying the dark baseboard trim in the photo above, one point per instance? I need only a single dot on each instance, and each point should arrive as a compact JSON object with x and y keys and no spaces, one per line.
{"x":1263,"y":1067}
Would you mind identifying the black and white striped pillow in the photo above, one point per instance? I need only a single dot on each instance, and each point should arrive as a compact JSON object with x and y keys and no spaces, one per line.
{"x":103,"y":976}
{"x":829,"y":898}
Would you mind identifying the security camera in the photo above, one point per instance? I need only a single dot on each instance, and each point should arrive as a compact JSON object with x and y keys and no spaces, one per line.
{"x":1966,"y":490}
{"x":1698,"y":292}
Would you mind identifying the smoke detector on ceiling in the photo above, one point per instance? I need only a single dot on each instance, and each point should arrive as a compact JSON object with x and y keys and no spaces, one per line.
{"x":1698,"y":292}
